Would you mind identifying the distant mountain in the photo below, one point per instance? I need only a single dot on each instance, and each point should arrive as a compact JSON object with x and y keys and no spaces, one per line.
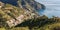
{"x":32,"y":4}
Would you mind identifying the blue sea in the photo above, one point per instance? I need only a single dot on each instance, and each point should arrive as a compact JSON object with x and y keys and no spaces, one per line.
{"x":13,"y":2}
{"x":52,"y":7}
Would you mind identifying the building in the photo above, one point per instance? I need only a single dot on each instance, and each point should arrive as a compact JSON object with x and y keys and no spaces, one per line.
{"x":1,"y":4}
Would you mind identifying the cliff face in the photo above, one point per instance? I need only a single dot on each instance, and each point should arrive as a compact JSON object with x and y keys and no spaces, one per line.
{"x":13,"y":15}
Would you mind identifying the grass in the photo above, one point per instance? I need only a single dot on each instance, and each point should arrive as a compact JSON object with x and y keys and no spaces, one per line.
{"x":50,"y":26}
{"x":16,"y":28}
{"x":2,"y":29}
{"x":20,"y":28}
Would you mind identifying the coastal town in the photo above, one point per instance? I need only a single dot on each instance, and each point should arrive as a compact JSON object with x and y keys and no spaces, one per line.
{"x":13,"y":19}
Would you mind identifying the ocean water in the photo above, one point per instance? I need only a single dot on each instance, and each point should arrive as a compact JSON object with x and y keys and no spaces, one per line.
{"x":13,"y":2}
{"x":52,"y":7}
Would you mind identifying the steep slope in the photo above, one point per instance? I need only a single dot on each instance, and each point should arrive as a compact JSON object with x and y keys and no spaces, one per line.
{"x":13,"y":15}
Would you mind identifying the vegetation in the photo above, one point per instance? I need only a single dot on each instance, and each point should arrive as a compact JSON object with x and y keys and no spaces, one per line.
{"x":41,"y":23}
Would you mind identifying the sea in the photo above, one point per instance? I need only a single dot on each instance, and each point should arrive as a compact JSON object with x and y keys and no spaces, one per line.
{"x":52,"y":7}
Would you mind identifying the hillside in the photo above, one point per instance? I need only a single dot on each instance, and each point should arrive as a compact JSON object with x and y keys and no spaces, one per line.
{"x":25,"y":16}
{"x":15,"y":15}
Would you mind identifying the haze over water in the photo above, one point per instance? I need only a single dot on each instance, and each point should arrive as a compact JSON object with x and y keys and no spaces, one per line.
{"x":52,"y":7}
